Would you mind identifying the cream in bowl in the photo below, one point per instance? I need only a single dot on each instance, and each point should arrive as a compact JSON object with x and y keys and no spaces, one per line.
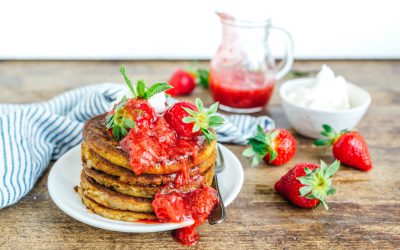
{"x":309,"y":103}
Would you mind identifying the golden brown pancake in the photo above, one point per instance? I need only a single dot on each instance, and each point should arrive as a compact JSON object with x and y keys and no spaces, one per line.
{"x":117,"y":200}
{"x":114,"y":214}
{"x":97,"y":138}
{"x":112,"y":199}
{"x":113,"y":183}
{"x":92,"y":160}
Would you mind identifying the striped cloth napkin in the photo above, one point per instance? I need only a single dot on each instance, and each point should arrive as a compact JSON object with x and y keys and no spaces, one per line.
{"x":31,"y":135}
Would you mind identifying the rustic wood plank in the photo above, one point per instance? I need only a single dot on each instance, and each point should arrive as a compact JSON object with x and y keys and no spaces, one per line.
{"x":364,"y":213}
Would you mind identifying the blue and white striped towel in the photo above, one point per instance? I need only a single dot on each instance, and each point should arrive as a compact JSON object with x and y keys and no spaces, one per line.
{"x":31,"y":135}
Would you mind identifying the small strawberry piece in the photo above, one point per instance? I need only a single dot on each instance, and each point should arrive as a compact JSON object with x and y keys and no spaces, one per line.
{"x":275,"y":147}
{"x":349,"y":147}
{"x":175,"y":207}
{"x":141,"y":112}
{"x":307,"y":185}
{"x":183,"y":83}
{"x":174,"y":116}
{"x":169,"y":207}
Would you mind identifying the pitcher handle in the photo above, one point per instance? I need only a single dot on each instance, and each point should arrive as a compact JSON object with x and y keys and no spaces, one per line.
{"x":287,"y":61}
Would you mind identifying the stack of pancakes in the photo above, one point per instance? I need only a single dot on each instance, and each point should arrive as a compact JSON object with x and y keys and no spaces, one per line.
{"x":111,"y":189}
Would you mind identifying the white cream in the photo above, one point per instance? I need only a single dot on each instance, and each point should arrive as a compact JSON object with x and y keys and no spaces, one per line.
{"x":158,"y":101}
{"x":327,"y":92}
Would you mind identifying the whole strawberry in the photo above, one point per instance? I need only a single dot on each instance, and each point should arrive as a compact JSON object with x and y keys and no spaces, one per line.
{"x":184,"y":81}
{"x":307,"y":185}
{"x":349,"y":147}
{"x":189,"y":120}
{"x":275,"y":147}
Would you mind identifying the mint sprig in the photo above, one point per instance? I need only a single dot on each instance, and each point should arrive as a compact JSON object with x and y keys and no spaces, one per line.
{"x":204,"y":119}
{"x":261,"y":145}
{"x":118,"y":120}
{"x":141,"y":90}
{"x":317,"y":183}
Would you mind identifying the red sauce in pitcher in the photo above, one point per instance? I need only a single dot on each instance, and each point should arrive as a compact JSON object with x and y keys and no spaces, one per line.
{"x":242,"y":90}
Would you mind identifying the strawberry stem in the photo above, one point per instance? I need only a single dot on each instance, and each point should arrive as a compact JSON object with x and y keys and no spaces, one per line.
{"x":331,"y":135}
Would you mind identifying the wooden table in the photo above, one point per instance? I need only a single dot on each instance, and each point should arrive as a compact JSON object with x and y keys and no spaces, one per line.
{"x":364,"y":213}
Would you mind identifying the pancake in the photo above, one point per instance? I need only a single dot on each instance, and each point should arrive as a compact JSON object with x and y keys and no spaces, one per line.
{"x":120,"y":201}
{"x":113,"y":183}
{"x":92,"y":160}
{"x":114,"y":214}
{"x":111,"y":199}
{"x":97,"y":138}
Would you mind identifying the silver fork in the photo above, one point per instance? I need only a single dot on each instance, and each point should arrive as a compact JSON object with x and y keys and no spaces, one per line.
{"x":219,"y":214}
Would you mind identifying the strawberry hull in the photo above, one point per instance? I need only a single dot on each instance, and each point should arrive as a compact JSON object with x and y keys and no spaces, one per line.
{"x":288,"y":186}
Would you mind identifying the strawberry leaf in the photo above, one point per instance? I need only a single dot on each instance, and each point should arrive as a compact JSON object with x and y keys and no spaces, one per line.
{"x":262,"y":144}
{"x":204,"y":120}
{"x":202,"y":78}
{"x":317,"y":183}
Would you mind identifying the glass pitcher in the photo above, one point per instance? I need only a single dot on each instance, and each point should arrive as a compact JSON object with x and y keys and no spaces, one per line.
{"x":243,"y":71}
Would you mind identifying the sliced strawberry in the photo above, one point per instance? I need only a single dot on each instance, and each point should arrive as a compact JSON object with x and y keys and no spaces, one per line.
{"x":349,"y":147}
{"x":275,"y":147}
{"x":170,"y":207}
{"x":307,"y":185}
{"x":183,"y":83}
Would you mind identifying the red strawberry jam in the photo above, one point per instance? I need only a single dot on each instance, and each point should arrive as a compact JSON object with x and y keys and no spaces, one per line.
{"x":176,"y":206}
{"x":157,"y":145}
{"x":240,"y":89}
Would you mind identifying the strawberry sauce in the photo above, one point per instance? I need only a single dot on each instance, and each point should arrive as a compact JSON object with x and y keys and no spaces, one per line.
{"x":159,"y":145}
{"x":238,"y":89}
{"x":179,"y":203}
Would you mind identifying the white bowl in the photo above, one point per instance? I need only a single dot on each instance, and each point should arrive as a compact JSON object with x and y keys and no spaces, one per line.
{"x":308,"y":122}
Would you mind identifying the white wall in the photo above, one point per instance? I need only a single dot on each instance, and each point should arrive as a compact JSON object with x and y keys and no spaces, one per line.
{"x":178,"y":29}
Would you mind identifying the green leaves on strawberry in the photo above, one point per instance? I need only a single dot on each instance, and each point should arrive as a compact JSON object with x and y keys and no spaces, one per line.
{"x":141,"y":91}
{"x":276,"y":147}
{"x":202,"y":77}
{"x":118,"y":121}
{"x":331,"y":135}
{"x":260,"y":145}
{"x":349,"y":147}
{"x":317,"y":183}
{"x":203,"y":119}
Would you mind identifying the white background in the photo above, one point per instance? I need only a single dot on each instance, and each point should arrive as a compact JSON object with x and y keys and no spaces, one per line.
{"x":178,"y":29}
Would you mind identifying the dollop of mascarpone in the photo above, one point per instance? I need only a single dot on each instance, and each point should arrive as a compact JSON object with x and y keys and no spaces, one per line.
{"x":327,"y":92}
{"x":157,"y":101}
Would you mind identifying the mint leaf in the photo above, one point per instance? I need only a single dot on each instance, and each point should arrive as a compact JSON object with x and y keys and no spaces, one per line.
{"x":140,"y":88}
{"x":155,"y":89}
{"x":127,"y":80}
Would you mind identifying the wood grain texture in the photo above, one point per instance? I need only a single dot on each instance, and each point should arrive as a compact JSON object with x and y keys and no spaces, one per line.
{"x":364,"y":213}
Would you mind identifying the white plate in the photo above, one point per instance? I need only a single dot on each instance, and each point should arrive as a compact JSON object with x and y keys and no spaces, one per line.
{"x":65,"y":175}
